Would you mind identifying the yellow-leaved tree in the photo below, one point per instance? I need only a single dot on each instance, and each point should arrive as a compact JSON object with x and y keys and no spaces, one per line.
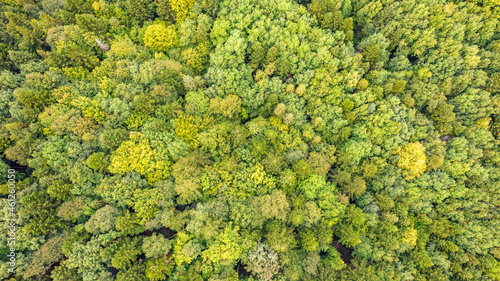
{"x":412,"y":160}
{"x":137,"y":155}
{"x":160,"y":37}
{"x":181,"y":8}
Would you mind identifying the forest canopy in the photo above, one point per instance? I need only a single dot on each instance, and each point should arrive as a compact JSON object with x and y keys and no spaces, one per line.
{"x":250,"y":139}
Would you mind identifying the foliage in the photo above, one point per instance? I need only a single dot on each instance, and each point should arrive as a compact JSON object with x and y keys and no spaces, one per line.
{"x":102,"y":220}
{"x":412,"y":160}
{"x":251,"y":139}
{"x":158,"y":269}
{"x":181,"y":8}
{"x":263,"y":262}
{"x":137,"y":155}
{"x":159,"y":37}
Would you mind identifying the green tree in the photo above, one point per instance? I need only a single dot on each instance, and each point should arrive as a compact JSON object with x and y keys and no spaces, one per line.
{"x":139,"y":10}
{"x":48,"y":253}
{"x":159,"y":269}
{"x":352,"y":227}
{"x":98,"y":161}
{"x":156,"y":246}
{"x":226,"y":249}
{"x":102,"y":221}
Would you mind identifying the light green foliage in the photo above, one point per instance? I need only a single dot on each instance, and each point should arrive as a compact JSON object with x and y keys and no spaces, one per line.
{"x":197,"y":103}
{"x":98,"y":161}
{"x":71,"y":210}
{"x":86,"y":258}
{"x":119,"y":190}
{"x":193,"y":59}
{"x":40,"y":209}
{"x":312,"y":214}
{"x":228,"y":107}
{"x":308,"y":241}
{"x":226,"y":249}
{"x":274,"y":205}
{"x":59,"y":190}
{"x":186,"y":173}
{"x":186,"y":249}
{"x":102,"y":221}
{"x":135,"y":272}
{"x":279,"y":238}
{"x":124,"y":48}
{"x":312,"y":186}
{"x":61,"y":273}
{"x":187,"y":128}
{"x":352,"y":227}
{"x":159,"y":269}
{"x":126,"y":254}
{"x":145,"y":203}
{"x":79,"y":234}
{"x":334,"y":260}
{"x":263,"y":262}
{"x":128,"y":224}
{"x":156,"y":246}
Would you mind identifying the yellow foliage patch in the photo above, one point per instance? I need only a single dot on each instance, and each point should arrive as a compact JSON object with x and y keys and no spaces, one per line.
{"x":159,"y":37}
{"x":181,"y":8}
{"x":137,"y":155}
{"x":412,"y":160}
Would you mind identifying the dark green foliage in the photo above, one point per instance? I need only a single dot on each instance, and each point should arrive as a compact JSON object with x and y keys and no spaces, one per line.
{"x":332,"y":20}
{"x":164,"y":10}
{"x":140,"y":10}
{"x":352,"y":227}
{"x":110,"y":139}
{"x":91,"y":23}
{"x":272,"y":53}
{"x":371,"y":53}
{"x":283,"y":68}
{"x":41,"y":211}
{"x":257,"y":56}
{"x":59,"y":190}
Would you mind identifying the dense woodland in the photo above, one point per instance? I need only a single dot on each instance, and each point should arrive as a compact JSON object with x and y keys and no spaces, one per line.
{"x":251,"y":139}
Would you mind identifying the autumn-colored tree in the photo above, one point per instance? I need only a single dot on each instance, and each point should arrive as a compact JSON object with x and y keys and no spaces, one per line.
{"x":159,"y":37}
{"x":412,"y":160}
